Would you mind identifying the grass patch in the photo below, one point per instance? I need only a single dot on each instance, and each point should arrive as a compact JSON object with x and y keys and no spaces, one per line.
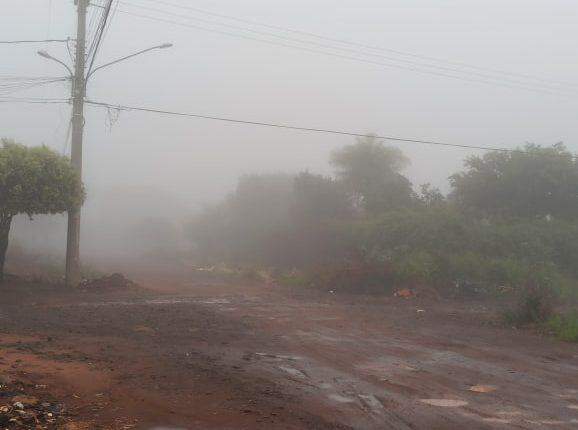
{"x":565,"y":327}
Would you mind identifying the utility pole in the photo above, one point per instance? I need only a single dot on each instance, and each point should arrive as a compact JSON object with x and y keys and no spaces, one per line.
{"x":78,"y":95}
{"x":79,"y":79}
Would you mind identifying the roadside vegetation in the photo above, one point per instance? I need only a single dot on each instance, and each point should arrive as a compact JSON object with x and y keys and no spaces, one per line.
{"x":508,"y":228}
{"x":33,"y":181}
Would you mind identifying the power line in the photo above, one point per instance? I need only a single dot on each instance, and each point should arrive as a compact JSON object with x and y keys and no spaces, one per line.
{"x":99,"y":37}
{"x":412,"y":63}
{"x":112,"y":14}
{"x":33,"y":41}
{"x":12,"y":87}
{"x":307,"y":129}
{"x":348,"y":57}
{"x":33,"y":100}
{"x":362,"y":45}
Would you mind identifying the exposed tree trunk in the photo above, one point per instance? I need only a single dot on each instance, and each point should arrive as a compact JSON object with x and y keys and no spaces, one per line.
{"x":5,"y":222}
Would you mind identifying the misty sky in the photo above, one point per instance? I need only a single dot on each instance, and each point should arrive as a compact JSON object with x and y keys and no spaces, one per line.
{"x":214,"y":74}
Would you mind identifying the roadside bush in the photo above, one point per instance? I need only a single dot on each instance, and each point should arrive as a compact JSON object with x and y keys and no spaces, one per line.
{"x":443,"y":248}
{"x":535,"y":306}
{"x":565,"y":327}
{"x":358,"y":277}
{"x":416,"y":268}
{"x":477,"y":241}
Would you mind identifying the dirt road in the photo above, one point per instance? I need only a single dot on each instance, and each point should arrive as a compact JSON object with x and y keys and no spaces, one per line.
{"x":199,"y":356}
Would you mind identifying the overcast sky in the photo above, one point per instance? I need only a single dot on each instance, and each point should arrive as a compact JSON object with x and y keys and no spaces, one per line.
{"x":217,"y":74}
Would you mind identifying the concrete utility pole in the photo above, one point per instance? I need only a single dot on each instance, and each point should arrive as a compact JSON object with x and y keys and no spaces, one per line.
{"x":79,"y":79}
{"x":78,"y":95}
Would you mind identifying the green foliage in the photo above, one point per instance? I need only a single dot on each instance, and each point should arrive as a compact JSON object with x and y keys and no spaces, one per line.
{"x":36,"y":181}
{"x":353,"y":277}
{"x":249,"y":226}
{"x":274,"y":220}
{"x":535,"y":306}
{"x":537,"y":182}
{"x":33,"y":181}
{"x":430,"y":197}
{"x":565,"y":327}
{"x":316,"y":197}
{"x":371,"y":171}
{"x":511,"y":222}
{"x":442,"y":247}
{"x":416,"y":267}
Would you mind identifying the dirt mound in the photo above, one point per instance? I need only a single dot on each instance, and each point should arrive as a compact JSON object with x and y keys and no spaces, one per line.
{"x":116,"y":281}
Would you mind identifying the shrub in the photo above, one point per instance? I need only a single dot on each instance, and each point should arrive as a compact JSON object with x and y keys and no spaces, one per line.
{"x":535,"y":306}
{"x":416,"y":268}
{"x":358,"y":277}
{"x":565,"y":327}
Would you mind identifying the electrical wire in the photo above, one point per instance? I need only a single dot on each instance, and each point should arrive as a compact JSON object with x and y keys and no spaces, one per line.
{"x":348,"y":57}
{"x":13,"y":87}
{"x":356,"y":52}
{"x":31,"y":100}
{"x":361,"y":45}
{"x":33,"y":41}
{"x":306,"y":129}
{"x":111,"y":18}
{"x":100,"y":38}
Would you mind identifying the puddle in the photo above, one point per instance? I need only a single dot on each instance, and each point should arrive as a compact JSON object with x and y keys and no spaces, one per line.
{"x":341,"y":399}
{"x":444,"y":403}
{"x":293,"y":372}
{"x":372,"y":403}
{"x":216,"y":302}
{"x":483,"y":388}
{"x":497,"y":420}
{"x":279,"y":357}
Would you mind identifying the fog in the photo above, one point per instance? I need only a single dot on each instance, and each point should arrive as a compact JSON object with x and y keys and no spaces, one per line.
{"x":146,"y":165}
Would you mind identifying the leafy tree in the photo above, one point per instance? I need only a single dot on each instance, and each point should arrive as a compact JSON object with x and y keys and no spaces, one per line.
{"x":430,"y":197}
{"x":371,"y":171}
{"x":33,"y":181}
{"x":273,"y":220}
{"x":319,"y":205}
{"x":250,"y":225}
{"x":537,"y":182}
{"x":316,"y":197}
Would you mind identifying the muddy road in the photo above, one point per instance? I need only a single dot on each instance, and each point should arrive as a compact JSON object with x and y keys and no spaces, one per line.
{"x":183,"y":354}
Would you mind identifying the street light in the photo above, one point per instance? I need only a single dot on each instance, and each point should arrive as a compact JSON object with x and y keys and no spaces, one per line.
{"x":163,"y":46}
{"x":45,"y":54}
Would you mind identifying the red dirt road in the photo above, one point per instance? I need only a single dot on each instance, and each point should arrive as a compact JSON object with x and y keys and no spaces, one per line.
{"x":259,"y":357}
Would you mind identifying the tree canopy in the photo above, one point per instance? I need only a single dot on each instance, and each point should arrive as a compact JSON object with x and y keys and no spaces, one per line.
{"x":371,"y":171}
{"x":534,"y":182}
{"x":33,"y":181}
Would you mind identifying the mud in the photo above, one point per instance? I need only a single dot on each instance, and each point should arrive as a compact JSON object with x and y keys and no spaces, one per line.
{"x":177,"y":354}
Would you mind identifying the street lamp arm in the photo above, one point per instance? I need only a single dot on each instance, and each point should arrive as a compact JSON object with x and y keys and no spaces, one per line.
{"x":45,"y":54}
{"x":163,"y":46}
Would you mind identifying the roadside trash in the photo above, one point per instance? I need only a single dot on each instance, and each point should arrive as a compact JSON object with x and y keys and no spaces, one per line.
{"x":405,"y":293}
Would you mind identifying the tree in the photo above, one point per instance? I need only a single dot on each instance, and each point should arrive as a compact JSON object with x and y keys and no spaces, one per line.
{"x":250,"y":225}
{"x":534,"y":182}
{"x":371,"y":171}
{"x":430,"y":197}
{"x":319,"y":198}
{"x":33,"y":181}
